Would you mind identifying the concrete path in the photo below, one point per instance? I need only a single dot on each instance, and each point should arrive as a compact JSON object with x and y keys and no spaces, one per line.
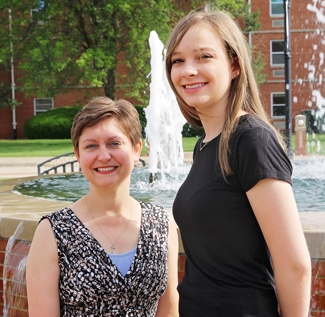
{"x":14,"y":167}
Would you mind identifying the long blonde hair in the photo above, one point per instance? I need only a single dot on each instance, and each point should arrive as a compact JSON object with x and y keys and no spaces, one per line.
{"x":244,"y":93}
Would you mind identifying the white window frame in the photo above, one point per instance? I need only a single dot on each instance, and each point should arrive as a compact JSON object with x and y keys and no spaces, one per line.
{"x":45,"y":103}
{"x":277,"y":53}
{"x":275,"y":3}
{"x":274,"y":94}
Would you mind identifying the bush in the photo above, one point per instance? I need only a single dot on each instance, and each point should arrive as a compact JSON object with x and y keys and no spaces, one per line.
{"x":52,"y":124}
{"x":191,"y":131}
{"x":143,"y":119}
{"x":187,"y":132}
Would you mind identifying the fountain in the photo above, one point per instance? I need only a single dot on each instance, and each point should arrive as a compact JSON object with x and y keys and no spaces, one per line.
{"x":13,"y":274}
{"x":164,"y":119}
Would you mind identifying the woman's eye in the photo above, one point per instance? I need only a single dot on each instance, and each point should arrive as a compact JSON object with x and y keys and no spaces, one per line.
{"x":114,"y":144}
{"x":205,"y":56}
{"x":90,"y":146}
{"x":176,"y":61}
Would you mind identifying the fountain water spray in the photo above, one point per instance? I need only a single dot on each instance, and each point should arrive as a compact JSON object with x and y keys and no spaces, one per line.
{"x":164,"y":118}
{"x":13,"y":275}
{"x":315,"y":68}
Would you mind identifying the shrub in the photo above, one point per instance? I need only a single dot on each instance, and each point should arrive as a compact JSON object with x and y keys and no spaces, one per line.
{"x":188,"y":130}
{"x":143,"y":119}
{"x":191,"y":131}
{"x":52,"y":124}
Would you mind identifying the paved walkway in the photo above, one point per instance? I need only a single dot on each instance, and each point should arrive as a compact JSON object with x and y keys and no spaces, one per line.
{"x":15,"y":167}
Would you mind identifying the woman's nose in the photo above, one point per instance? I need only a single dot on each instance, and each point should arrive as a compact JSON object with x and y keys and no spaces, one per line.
{"x":189,"y":70}
{"x":104,"y":154}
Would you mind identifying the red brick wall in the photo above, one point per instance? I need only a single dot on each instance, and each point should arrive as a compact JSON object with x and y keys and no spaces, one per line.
{"x":18,"y":299}
{"x":306,"y":44}
{"x":16,"y":296}
{"x":318,"y":288}
{"x":26,"y":108}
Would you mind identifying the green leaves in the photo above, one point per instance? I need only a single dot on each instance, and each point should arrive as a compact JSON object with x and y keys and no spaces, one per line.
{"x":65,"y":44}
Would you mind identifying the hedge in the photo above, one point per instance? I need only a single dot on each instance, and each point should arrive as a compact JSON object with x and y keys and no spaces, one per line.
{"x":52,"y":124}
{"x":56,"y":124}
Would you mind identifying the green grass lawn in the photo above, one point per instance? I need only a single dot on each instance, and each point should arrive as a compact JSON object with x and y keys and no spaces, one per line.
{"x":23,"y":148}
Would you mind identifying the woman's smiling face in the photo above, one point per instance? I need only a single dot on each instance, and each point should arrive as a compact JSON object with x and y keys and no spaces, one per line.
{"x":201,"y":70}
{"x":106,"y":155}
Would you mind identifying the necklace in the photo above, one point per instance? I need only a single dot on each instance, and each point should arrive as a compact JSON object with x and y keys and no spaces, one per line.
{"x":112,"y":242}
{"x":203,"y":145}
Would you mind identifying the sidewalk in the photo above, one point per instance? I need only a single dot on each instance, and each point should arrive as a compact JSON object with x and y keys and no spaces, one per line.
{"x":15,"y":167}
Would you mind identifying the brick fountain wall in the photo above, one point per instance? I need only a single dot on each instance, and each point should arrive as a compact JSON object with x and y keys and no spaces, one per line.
{"x":16,"y":289}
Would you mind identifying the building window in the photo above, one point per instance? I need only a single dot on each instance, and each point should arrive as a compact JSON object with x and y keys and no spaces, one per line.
{"x":277,"y":53}
{"x":278,"y":23}
{"x":278,"y":73}
{"x":39,"y":9}
{"x":276,"y":8}
{"x":42,"y":105}
{"x":278,"y":104}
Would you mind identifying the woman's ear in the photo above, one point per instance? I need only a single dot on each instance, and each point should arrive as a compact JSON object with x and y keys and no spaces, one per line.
{"x":137,"y":150}
{"x":76,"y":153}
{"x":235,"y":67}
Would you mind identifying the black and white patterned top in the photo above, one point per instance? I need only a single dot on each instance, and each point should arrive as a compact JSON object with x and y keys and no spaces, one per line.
{"x":91,"y":285}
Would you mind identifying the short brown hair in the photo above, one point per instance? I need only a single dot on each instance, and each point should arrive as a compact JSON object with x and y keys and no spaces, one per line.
{"x":100,"y":108}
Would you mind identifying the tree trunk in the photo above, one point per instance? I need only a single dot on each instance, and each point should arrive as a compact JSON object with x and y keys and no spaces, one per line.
{"x":109,"y":84}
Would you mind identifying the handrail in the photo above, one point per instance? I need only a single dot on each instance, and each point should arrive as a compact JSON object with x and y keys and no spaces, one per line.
{"x":64,"y":164}
{"x":57,"y":166}
{"x":142,"y":161}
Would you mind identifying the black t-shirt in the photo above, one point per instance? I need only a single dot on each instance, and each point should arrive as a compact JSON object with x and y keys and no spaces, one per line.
{"x":228,"y":270}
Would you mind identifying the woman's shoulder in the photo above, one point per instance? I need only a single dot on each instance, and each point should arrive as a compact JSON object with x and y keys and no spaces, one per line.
{"x":250,"y":127}
{"x":154,"y":212}
{"x":58,"y":215}
{"x":152,"y":207}
{"x":253,"y":135}
{"x":249,"y":122}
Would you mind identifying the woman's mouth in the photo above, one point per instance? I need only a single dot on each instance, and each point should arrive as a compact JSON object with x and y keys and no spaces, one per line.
{"x":194,"y":86}
{"x":105,"y":169}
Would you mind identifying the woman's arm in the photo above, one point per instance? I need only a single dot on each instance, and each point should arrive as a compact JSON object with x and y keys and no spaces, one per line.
{"x":42,"y":274}
{"x":275,"y":209}
{"x":168,"y":303}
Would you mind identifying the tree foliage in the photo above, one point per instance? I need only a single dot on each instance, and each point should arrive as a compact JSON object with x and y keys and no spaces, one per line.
{"x":71,"y":43}
{"x":63,"y":44}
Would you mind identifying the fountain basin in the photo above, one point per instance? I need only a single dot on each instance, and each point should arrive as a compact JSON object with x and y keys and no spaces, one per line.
{"x":16,"y":209}
{"x":308,"y":185}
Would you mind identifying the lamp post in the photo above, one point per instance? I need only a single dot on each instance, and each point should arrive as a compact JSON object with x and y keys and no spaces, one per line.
{"x":14,"y":122}
{"x":287,"y":57}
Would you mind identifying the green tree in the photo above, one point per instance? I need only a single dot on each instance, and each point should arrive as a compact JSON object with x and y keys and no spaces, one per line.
{"x":62,"y":44}
{"x":71,"y":43}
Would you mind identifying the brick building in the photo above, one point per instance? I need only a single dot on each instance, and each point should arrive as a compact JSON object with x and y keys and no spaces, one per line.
{"x":307,"y":67}
{"x":307,"y":57}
